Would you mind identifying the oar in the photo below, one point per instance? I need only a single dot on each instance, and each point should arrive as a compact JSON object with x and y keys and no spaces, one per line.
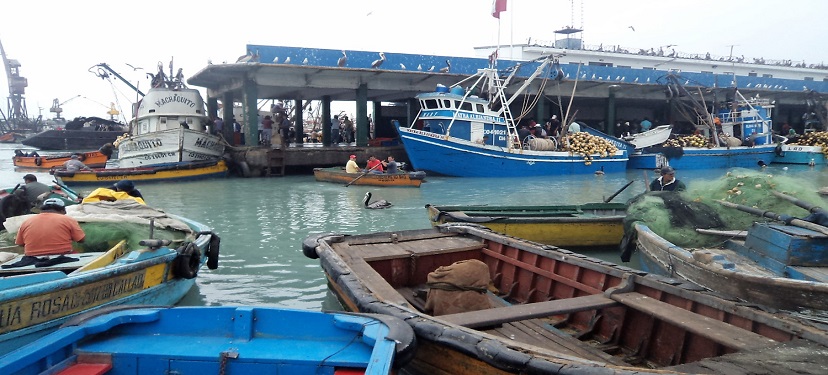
{"x":810,"y":207}
{"x":618,"y":192}
{"x":771,"y":215}
{"x":64,"y":187}
{"x":362,"y":175}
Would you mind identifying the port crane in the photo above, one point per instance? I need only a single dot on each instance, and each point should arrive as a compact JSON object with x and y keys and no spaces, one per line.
{"x":16,"y":117}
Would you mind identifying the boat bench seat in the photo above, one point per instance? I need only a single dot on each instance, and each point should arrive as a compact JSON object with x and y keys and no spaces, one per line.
{"x":716,"y":330}
{"x":511,"y":313}
{"x":86,"y":369}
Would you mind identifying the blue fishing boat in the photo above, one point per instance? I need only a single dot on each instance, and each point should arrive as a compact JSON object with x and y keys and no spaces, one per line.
{"x":219,"y":340}
{"x":470,"y":132}
{"x":132,"y":254}
{"x":805,"y":149}
{"x":737,"y":136}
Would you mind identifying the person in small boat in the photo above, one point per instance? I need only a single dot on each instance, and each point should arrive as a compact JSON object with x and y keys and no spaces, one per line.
{"x":391,"y":165}
{"x":74,"y":164}
{"x":351,"y":166}
{"x":32,"y":190}
{"x":50,"y":232}
{"x":128,"y":187}
{"x":667,"y":181}
{"x":374,"y":165}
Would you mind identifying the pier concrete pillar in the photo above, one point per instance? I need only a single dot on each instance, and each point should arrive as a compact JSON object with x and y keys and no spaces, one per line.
{"x":326,"y":120}
{"x":374,"y":133}
{"x":609,"y":124}
{"x":251,"y":112}
{"x":227,"y":116}
{"x":299,"y":122}
{"x":361,"y":119}
{"x":212,"y":108}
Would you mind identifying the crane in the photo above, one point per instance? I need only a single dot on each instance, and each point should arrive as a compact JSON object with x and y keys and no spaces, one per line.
{"x":57,"y":106}
{"x":18,"y":118}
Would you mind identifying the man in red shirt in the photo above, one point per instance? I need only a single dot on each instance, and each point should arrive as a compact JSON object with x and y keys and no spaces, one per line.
{"x":50,"y":232}
{"x":374,"y":165}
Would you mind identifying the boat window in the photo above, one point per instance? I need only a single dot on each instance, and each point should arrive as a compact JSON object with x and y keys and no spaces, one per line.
{"x":706,"y":72}
{"x":447,"y":103}
{"x":648,"y":68}
{"x":480,"y":108}
{"x":809,"y":78}
{"x":825,"y":80}
{"x":466,"y":106}
{"x":767,"y":75}
{"x":624,"y":66}
{"x":752,"y":74}
{"x":429,"y":104}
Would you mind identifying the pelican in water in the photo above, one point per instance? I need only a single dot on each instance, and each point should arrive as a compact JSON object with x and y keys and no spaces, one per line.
{"x":342,"y":60}
{"x":447,"y":68}
{"x":380,"y":204}
{"x":378,"y":62}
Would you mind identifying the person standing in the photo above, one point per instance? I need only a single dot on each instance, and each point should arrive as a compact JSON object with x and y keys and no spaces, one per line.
{"x":238,"y":135}
{"x":574,"y":127}
{"x":335,"y":130}
{"x":218,"y":126}
{"x":267,"y":130}
{"x":646,"y":124}
{"x":667,"y":181}
{"x":349,"y":130}
{"x":351,"y":166}
{"x":50,"y":232}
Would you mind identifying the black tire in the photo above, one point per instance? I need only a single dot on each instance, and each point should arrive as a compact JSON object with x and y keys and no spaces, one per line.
{"x":188,"y":261}
{"x":213,"y":251}
{"x":38,"y":161}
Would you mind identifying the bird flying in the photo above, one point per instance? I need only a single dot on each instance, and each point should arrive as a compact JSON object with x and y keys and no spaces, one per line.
{"x":631,"y":28}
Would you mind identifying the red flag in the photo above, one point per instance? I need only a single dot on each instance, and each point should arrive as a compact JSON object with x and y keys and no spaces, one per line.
{"x":497,"y":7}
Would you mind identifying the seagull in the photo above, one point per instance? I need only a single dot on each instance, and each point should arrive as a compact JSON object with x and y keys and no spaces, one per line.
{"x":748,"y":85}
{"x":305,"y":61}
{"x":631,"y":28}
{"x":380,"y":204}
{"x":342,"y":60}
{"x":593,"y":76}
{"x":209,"y":61}
{"x":287,"y":60}
{"x":635,"y":80}
{"x":419,"y":66}
{"x":431,"y":69}
{"x":402,"y":66}
{"x":276,"y":60}
{"x":378,"y":62}
{"x":447,"y":68}
{"x":648,"y":79}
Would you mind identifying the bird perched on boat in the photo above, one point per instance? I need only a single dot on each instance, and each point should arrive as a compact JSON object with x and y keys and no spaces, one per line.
{"x":276,"y":60}
{"x":431,"y":69}
{"x":342,"y":60}
{"x":447,"y":68}
{"x":287,"y":60}
{"x":402,"y":66}
{"x":378,"y":62}
{"x":380,"y":204}
{"x":419,"y":66}
{"x":305,"y":61}
{"x":249,"y":57}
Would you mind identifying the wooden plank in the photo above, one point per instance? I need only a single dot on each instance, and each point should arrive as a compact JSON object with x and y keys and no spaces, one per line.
{"x":104,"y":259}
{"x":374,"y":281}
{"x":724,"y":233}
{"x":721,"y":332}
{"x":500,"y":315}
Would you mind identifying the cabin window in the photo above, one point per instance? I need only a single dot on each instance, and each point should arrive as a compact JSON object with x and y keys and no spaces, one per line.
{"x":767,"y":75}
{"x":706,"y":72}
{"x":825,"y":79}
{"x":466,"y":106}
{"x":648,"y":68}
{"x":809,"y":78}
{"x":480,"y":108}
{"x":447,"y":104}
{"x":752,"y":74}
{"x":430,"y":104}
{"x":624,"y":66}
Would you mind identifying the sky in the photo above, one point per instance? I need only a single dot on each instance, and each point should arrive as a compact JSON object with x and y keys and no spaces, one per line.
{"x":57,"y":42}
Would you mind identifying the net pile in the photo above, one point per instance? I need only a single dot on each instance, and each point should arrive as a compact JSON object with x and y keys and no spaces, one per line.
{"x":675,"y":216}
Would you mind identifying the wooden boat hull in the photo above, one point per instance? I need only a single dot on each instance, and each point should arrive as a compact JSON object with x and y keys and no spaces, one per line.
{"x":36,"y":301}
{"x":607,"y":318}
{"x":788,"y":287}
{"x":239,"y":340}
{"x":338,"y":175}
{"x":162,"y":173}
{"x":591,"y":224}
{"x":71,"y":139}
{"x":168,"y":146}
{"x":93,"y":159}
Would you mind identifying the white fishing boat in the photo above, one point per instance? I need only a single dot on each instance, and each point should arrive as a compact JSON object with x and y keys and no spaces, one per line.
{"x":170,"y":126}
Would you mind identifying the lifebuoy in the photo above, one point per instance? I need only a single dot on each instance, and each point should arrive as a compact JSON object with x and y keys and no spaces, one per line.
{"x":188,"y":261}
{"x":38,"y":162}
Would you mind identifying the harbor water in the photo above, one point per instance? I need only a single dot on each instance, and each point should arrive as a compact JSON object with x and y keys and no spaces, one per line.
{"x":262,"y":221}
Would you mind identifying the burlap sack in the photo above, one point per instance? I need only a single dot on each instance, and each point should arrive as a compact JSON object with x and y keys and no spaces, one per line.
{"x":459,"y":287}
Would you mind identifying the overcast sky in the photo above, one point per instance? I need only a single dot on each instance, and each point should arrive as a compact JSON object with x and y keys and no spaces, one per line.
{"x":58,"y":41}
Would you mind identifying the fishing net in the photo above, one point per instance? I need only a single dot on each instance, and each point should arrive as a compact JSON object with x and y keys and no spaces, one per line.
{"x":101,"y":236}
{"x":675,"y":216}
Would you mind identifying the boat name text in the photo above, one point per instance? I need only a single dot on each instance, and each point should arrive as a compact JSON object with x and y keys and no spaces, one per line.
{"x":142,"y":144}
{"x":175,"y":98}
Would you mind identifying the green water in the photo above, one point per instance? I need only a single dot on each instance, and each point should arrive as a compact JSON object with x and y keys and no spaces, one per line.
{"x":262,"y":221}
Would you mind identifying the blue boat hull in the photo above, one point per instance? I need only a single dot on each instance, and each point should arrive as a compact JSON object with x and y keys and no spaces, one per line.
{"x":432,"y":153}
{"x":704,"y":158}
{"x":211,"y":340}
{"x":792,"y":154}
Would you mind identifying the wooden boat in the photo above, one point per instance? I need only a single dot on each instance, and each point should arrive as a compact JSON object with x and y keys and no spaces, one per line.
{"x":156,"y":173}
{"x":170,"y":126}
{"x":82,"y":133}
{"x":338,"y":175}
{"x":554,"y":311}
{"x":447,"y":136}
{"x":591,"y":224}
{"x":232,"y":340}
{"x":12,"y":204}
{"x":132,"y":254}
{"x":93,"y":159}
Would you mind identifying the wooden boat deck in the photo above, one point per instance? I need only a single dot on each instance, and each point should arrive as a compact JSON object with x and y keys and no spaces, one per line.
{"x":394,"y":267}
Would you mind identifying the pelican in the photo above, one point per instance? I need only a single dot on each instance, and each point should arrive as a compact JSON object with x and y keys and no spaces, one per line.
{"x":245,"y":58}
{"x":447,"y":68}
{"x":380,"y":204}
{"x":342,"y":60}
{"x":378,"y":62}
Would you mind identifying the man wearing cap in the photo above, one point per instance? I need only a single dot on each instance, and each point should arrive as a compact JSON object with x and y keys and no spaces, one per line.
{"x":667,"y":181}
{"x":49,"y":232}
{"x":74,"y":165}
{"x":351,"y":166}
{"x":32,"y":190}
{"x":128,"y":187}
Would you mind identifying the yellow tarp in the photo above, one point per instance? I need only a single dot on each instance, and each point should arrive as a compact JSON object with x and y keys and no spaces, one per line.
{"x":104,"y":194}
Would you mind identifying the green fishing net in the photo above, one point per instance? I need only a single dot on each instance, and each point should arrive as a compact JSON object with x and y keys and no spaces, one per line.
{"x":101,"y":236}
{"x":675,"y":216}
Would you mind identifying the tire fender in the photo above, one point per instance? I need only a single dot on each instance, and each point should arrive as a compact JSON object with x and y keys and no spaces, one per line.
{"x":188,"y":261}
